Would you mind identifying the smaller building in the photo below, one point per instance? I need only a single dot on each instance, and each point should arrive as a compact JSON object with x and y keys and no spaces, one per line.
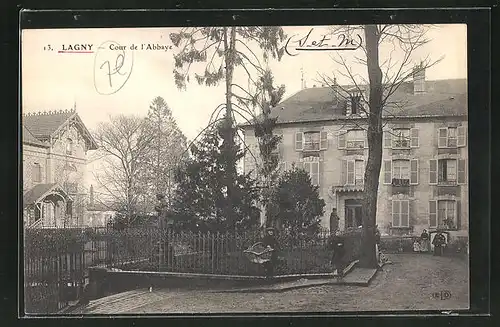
{"x":98,"y":214}
{"x":54,"y":154}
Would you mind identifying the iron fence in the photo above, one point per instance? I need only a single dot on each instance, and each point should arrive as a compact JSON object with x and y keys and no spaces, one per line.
{"x":220,"y":253}
{"x":56,"y":262}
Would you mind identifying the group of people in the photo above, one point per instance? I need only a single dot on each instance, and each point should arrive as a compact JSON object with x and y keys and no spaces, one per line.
{"x":337,"y":246}
{"x":423,"y":244}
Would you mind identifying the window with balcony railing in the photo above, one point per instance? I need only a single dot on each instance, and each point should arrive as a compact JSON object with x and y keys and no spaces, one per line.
{"x":401,"y":139}
{"x":352,"y":139}
{"x":311,"y":141}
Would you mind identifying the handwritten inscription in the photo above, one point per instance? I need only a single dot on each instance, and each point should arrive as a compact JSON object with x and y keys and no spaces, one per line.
{"x":112,"y":67}
{"x":325,"y":42}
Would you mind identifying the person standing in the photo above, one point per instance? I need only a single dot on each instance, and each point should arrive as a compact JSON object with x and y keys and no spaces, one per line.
{"x":334,"y":221}
{"x":439,"y":242}
{"x":271,"y":242}
{"x":377,"y":243}
{"x":424,"y":241}
{"x":338,"y":256}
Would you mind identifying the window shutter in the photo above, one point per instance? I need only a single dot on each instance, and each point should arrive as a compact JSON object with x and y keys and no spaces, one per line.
{"x":365,"y":139}
{"x":343,"y":175}
{"x":341,"y":139}
{"x":414,"y":171}
{"x":315,"y":173}
{"x":307,"y":168}
{"x":387,"y":139}
{"x":396,"y":209}
{"x":461,"y":178}
{"x":350,"y":172}
{"x":299,"y":141}
{"x":433,"y":166}
{"x":405,"y":213}
{"x":462,"y":136}
{"x":443,"y":137}
{"x":414,"y":141}
{"x":387,"y":171}
{"x":457,"y":214}
{"x":432,"y":213}
{"x":323,"y":145}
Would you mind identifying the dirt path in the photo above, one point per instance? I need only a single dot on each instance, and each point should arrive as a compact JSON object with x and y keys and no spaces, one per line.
{"x":410,"y":283}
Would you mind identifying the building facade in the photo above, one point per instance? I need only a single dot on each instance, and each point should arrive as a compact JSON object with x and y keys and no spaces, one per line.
{"x":54,"y":152}
{"x":423,"y":178}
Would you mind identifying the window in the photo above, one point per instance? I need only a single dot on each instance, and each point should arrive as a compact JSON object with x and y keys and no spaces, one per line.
{"x":447,"y":171}
{"x":443,"y":214}
{"x":311,"y":141}
{"x":401,"y":139}
{"x":355,"y":104}
{"x":451,"y":137}
{"x":400,"y":213}
{"x":401,"y":171}
{"x":69,"y":146}
{"x":353,"y":172}
{"x":312,"y":167}
{"x":37,"y":173}
{"x":359,"y":172}
{"x":353,"y":139}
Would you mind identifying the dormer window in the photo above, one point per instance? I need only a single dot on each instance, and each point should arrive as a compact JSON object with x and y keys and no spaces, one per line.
{"x":69,"y":146}
{"x":355,"y":104}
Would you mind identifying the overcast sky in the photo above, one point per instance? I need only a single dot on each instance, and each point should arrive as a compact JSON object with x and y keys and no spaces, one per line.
{"x":53,"y":80}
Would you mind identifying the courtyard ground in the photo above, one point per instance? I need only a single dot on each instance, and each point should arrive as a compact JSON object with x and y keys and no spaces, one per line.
{"x":411,"y":282}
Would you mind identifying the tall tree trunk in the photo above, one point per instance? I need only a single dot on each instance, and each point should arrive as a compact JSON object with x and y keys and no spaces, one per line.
{"x":228,"y":147}
{"x":372,"y":173}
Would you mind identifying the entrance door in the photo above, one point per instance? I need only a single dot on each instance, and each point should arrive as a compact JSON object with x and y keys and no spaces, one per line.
{"x":353,"y":213}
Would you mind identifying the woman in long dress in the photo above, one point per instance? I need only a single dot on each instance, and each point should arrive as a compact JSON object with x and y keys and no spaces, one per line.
{"x":424,"y":241}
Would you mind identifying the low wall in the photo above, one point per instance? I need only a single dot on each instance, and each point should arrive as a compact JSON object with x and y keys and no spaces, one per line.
{"x":103,"y":281}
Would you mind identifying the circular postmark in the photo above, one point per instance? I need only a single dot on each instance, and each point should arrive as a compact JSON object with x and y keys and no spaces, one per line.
{"x":113,"y":65}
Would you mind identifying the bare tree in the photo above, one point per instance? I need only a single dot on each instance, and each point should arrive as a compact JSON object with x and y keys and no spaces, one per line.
{"x":124,"y":142}
{"x":385,"y":76}
{"x":223,"y":49}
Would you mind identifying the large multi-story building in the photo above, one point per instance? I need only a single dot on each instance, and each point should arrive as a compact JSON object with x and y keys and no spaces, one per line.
{"x":423,"y":179}
{"x":54,"y":150}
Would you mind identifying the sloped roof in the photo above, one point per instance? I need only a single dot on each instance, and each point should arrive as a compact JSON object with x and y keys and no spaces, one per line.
{"x":31,"y":139}
{"x":100,"y":207}
{"x":43,"y":125}
{"x":39,"y":191}
{"x":442,"y":98}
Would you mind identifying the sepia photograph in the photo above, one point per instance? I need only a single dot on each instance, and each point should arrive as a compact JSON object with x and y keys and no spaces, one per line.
{"x":245,"y":169}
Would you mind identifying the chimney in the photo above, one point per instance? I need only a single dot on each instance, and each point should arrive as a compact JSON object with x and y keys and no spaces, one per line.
{"x":419,"y":79}
{"x":91,"y":196}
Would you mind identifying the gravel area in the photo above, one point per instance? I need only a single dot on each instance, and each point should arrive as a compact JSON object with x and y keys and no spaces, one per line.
{"x":410,"y":283}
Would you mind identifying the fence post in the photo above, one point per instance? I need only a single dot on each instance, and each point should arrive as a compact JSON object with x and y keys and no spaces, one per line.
{"x":161,"y":249}
{"x":212,"y":238}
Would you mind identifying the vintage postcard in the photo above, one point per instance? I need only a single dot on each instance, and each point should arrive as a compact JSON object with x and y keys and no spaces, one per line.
{"x":245,"y":169}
